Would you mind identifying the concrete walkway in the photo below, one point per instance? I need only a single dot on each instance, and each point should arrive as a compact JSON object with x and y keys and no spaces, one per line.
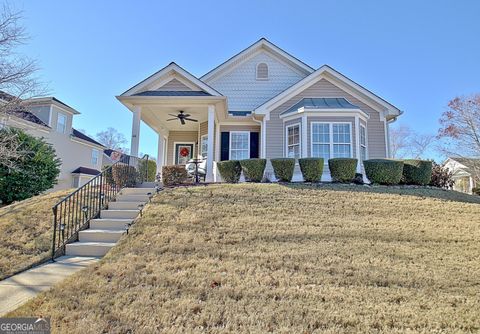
{"x":18,"y":289}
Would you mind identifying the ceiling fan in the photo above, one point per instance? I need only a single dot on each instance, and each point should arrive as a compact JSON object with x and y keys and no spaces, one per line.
{"x":182,"y":117}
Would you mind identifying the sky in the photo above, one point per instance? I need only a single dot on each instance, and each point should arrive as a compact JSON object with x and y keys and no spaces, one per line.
{"x":418,"y":55}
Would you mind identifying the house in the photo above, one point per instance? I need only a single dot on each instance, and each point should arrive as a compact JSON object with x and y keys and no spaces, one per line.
{"x":466,"y":173}
{"x":52,"y":119}
{"x":262,"y":102}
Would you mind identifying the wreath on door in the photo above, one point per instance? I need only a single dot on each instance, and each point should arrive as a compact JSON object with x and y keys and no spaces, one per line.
{"x":184,"y":152}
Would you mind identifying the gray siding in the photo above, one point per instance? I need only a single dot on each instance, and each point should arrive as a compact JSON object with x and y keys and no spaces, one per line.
{"x":42,"y":112}
{"x":174,"y":85}
{"x":323,"y":88}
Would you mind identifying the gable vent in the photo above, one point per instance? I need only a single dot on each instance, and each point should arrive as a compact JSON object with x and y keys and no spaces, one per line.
{"x":262,"y":71}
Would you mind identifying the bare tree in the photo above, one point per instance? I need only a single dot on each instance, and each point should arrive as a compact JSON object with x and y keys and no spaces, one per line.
{"x":113,"y":139}
{"x":406,"y":143}
{"x":460,"y":128}
{"x":17,"y":78}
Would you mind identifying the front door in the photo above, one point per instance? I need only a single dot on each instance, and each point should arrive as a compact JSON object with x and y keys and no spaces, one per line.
{"x":183,"y":153}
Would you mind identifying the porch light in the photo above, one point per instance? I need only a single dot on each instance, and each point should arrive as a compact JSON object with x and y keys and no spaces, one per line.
{"x":85,"y":210}
{"x":127,"y":227}
{"x":140,"y":207}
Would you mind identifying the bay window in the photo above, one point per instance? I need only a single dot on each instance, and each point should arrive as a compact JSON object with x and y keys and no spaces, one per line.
{"x":239,"y":145}
{"x":331,"y":140}
{"x":363,"y":143}
{"x":293,"y":141}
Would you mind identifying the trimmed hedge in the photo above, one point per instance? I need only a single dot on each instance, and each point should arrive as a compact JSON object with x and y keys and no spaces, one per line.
{"x":175,"y":174}
{"x":417,"y":172}
{"x":283,"y":168}
{"x":312,"y":169}
{"x":152,"y":170}
{"x":253,"y":169}
{"x":476,"y":191}
{"x":342,"y":169}
{"x":124,"y":175}
{"x":384,"y":171}
{"x":230,"y":170}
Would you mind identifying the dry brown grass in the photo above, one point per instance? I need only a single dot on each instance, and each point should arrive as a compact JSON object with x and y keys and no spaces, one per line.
{"x":25,"y":232}
{"x":269,"y":258}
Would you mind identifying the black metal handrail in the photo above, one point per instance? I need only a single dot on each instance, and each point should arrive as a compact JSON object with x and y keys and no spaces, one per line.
{"x":73,"y":213}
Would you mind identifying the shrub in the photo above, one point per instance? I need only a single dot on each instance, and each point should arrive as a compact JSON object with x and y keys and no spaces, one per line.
{"x":342,"y":169}
{"x":253,"y":169}
{"x":384,"y":171}
{"x":173,"y":175}
{"x":417,"y":172}
{"x":32,"y":169}
{"x":283,"y":168}
{"x":358,"y":178}
{"x":152,"y":170}
{"x":124,"y":175}
{"x":441,"y":177}
{"x":476,"y":191}
{"x":230,"y":170}
{"x":108,"y":174}
{"x":312,"y":169}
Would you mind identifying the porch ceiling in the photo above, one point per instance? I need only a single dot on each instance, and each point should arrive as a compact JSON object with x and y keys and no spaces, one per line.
{"x":155,"y":110}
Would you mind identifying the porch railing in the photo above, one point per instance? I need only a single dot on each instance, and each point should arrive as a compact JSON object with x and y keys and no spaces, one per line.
{"x":73,"y":213}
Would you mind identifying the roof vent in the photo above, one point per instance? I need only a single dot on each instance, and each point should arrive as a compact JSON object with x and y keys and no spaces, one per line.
{"x":262,"y":71}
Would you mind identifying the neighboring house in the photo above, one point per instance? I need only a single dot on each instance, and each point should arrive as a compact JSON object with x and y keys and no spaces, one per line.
{"x":466,"y":173}
{"x":262,"y":102}
{"x":51,"y":119}
{"x":110,"y":157}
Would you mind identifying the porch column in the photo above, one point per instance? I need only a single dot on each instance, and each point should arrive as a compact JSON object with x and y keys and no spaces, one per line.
{"x":135,"y":143}
{"x":160,"y":153}
{"x":357,"y":144}
{"x":210,"y":153}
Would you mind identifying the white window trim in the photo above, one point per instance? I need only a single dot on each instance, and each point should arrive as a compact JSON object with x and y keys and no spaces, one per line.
{"x":366,"y":142}
{"x":59,"y":114}
{"x":331,"y":143}
{"x":230,"y":143}
{"x":256,"y":72}
{"x":201,"y":146}
{"x":299,"y":124}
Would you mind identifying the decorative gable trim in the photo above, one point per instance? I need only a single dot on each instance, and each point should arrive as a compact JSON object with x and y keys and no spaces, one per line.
{"x":338,"y":79}
{"x":252,"y":50}
{"x":168,"y":73}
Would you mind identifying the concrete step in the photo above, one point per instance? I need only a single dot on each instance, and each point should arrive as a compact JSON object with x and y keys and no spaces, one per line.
{"x":92,"y":235}
{"x":124,"y":205}
{"x":88,"y":248}
{"x":132,"y":198}
{"x":109,"y":224}
{"x":121,"y":214}
{"x":138,"y":191}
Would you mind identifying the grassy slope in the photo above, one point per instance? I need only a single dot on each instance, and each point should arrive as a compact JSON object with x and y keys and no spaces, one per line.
{"x":260,"y":258}
{"x":25,"y":232}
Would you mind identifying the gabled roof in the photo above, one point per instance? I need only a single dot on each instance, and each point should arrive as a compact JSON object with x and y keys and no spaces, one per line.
{"x":321,"y":103}
{"x":26,"y":115}
{"x":317,"y":76}
{"x":80,"y":135}
{"x":470,"y":164}
{"x":168,"y":70}
{"x":267,"y":45}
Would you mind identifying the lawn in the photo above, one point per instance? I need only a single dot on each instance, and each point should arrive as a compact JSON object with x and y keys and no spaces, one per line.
{"x":270,"y":258}
{"x":25,"y":232}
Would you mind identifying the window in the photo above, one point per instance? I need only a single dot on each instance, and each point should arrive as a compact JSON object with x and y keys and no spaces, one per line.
{"x":293,"y":141}
{"x":331,"y":140}
{"x":363,"y":143}
{"x":321,"y":141}
{"x":239,"y":145}
{"x":61,"y":123}
{"x":262,"y":71}
{"x":94,"y":157}
{"x":204,"y":146}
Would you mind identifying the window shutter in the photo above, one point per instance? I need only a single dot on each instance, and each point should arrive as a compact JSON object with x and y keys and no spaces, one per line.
{"x":253,"y":145}
{"x":225,"y":146}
